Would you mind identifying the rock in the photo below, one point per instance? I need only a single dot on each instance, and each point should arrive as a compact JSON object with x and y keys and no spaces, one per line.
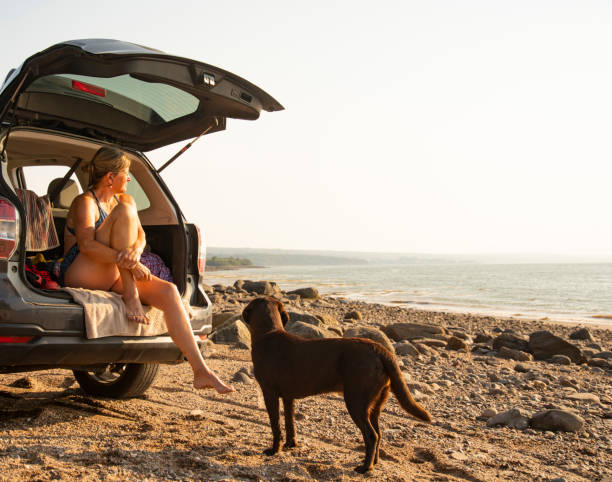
{"x":328,"y":320}
{"x":510,"y":341}
{"x":208,"y":289}
{"x":424,"y":349}
{"x":25,"y":382}
{"x":305,"y":293}
{"x":306,"y":330}
{"x":511,"y":418}
{"x":220,"y":319}
{"x":584,"y":397}
{"x":510,"y":354}
{"x":561,"y":360}
{"x":242,"y":376}
{"x":543,"y":345}
{"x":410,"y":331}
{"x":598,"y":362}
{"x":406,"y":348}
{"x":369,"y":333}
{"x":67,"y":382}
{"x":482,"y":338}
{"x":234,"y":332}
{"x":266,"y":288}
{"x":582,"y":334}
{"x":353,"y":315}
{"x":432,"y":342}
{"x":519,"y":367}
{"x":239,"y":284}
{"x":603,"y":354}
{"x":295,"y":316}
{"x":488,"y":413}
{"x":456,"y":343}
{"x":196,"y":415}
{"x":557,"y":420}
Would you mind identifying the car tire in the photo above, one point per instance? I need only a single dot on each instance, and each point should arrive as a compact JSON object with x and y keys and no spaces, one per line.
{"x":118,"y":380}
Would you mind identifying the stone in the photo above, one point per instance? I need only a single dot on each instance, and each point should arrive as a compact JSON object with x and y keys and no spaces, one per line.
{"x":561,"y":360}
{"x":482,"y":338}
{"x":511,"y":354}
{"x":424,"y":349}
{"x":328,"y":320}
{"x":24,"y":382}
{"x":295,"y":316}
{"x":406,"y":348}
{"x":598,"y":362}
{"x":511,"y":418}
{"x":239,"y":284}
{"x":584,"y":397}
{"x":265,"y":288}
{"x":353,"y":315}
{"x":457,"y":344}
{"x":543,"y":344}
{"x":242,"y":376}
{"x":220,"y":319}
{"x":196,"y":415}
{"x":557,"y":420}
{"x":511,"y":341}
{"x":488,"y":413}
{"x":369,"y":333}
{"x":410,"y":331}
{"x":432,"y":342}
{"x":582,"y":334}
{"x":306,"y":330}
{"x":521,"y":368}
{"x":305,"y":293}
{"x":603,"y":354}
{"x":234,"y":332}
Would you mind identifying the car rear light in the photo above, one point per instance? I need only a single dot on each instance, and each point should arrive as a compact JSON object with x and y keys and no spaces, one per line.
{"x":9,"y":229}
{"x":90,"y":89}
{"x":15,"y":339}
{"x":201,"y":252}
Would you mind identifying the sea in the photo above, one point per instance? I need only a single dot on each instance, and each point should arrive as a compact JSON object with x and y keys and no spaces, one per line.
{"x":564,"y":292}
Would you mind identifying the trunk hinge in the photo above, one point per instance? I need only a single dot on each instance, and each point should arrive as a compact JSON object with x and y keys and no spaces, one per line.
{"x":173,"y":158}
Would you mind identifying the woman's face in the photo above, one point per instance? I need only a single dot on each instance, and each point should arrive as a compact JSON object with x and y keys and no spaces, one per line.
{"x":119,"y":180}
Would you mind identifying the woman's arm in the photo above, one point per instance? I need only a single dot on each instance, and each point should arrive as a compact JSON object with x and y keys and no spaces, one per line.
{"x":84,"y":220}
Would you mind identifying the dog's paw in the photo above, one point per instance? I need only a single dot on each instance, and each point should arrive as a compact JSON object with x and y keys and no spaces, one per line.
{"x":362,"y":469}
{"x":271,"y":451}
{"x":290,"y":444}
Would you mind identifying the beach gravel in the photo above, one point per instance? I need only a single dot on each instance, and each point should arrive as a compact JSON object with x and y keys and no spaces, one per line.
{"x":50,"y":429}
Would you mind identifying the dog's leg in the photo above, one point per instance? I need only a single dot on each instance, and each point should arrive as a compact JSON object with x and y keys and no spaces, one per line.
{"x":358,"y":404}
{"x":272,"y":408}
{"x":289,"y":424}
{"x":375,"y":415}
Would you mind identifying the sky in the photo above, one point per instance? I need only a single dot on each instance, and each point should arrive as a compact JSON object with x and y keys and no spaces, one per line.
{"x":410,"y":126}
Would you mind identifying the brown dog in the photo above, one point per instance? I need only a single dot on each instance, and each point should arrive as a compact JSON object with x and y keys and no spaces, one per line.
{"x":289,"y":367}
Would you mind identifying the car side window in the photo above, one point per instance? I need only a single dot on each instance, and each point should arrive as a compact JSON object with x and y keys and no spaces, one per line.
{"x":38,"y":178}
{"x":135,"y":190}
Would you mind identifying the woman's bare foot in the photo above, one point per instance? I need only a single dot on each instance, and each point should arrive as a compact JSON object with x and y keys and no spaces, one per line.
{"x":210,"y":380}
{"x":134,"y":310}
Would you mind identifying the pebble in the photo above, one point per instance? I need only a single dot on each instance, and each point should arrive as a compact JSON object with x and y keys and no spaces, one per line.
{"x":584,"y":397}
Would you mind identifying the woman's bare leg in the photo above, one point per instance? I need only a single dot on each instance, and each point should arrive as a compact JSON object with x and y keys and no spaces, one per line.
{"x":165,"y":296}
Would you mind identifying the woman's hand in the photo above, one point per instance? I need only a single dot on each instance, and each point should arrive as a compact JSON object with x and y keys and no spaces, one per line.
{"x":141,"y":272}
{"x":128,"y":258}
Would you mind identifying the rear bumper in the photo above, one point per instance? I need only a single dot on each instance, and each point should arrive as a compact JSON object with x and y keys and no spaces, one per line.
{"x":77,"y":352}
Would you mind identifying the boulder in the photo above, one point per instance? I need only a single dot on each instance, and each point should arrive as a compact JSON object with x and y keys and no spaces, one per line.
{"x":306,"y":330}
{"x":582,"y":334}
{"x":353,"y":315}
{"x":511,"y":418}
{"x":234,"y":332}
{"x":328,"y":320}
{"x":295,"y":316}
{"x":239,"y":284}
{"x":432,"y":342}
{"x":410,"y":331}
{"x":305,"y":293}
{"x":556,"y":420}
{"x":543,"y":344}
{"x":220,"y":319}
{"x":406,"y":348}
{"x":265,"y":288}
{"x":511,"y":341}
{"x":456,"y":343}
{"x":369,"y":333}
{"x":510,"y":354}
{"x":482,"y":338}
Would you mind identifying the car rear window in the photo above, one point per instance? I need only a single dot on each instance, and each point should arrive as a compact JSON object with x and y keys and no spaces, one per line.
{"x":151,"y":102}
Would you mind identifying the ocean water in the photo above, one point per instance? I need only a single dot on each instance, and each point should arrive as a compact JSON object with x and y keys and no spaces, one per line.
{"x":561,"y":292}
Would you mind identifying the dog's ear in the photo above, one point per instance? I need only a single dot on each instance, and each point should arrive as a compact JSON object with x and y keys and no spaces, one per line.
{"x":282,"y":312}
{"x":246,"y":313}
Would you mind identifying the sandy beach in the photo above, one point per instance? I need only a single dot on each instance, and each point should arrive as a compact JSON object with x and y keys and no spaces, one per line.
{"x":51,"y":430}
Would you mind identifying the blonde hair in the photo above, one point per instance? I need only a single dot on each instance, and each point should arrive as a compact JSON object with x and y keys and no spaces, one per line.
{"x":105,"y":160}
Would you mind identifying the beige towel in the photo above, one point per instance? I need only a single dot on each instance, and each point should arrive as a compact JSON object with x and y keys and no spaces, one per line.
{"x":105,"y":315}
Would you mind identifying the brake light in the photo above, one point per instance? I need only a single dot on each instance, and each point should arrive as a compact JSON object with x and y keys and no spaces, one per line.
{"x":90,"y":89}
{"x":201,"y":252}
{"x":9,"y":229}
{"x":15,"y":339}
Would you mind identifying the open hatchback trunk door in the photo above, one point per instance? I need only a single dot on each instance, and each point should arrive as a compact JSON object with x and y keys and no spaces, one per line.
{"x":133,"y":96}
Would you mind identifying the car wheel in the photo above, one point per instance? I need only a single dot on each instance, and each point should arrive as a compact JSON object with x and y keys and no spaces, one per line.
{"x":117,"y":380}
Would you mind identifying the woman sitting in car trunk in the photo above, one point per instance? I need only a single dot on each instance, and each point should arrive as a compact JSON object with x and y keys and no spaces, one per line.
{"x":103,"y":243}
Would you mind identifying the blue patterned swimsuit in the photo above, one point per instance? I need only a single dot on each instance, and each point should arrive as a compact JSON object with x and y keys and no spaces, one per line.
{"x":72,"y":253}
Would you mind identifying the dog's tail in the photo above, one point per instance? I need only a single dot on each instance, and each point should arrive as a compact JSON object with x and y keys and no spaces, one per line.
{"x":400,"y":390}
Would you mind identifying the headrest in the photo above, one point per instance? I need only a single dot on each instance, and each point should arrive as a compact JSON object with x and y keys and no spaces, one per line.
{"x":66,"y":195}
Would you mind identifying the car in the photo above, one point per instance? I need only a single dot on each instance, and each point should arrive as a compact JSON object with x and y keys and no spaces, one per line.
{"x":56,"y":110}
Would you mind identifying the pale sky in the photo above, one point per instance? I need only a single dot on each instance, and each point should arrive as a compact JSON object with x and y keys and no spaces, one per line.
{"x":410,"y":126}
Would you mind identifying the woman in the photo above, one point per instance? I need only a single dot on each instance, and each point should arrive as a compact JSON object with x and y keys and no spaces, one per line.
{"x":104,"y":240}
